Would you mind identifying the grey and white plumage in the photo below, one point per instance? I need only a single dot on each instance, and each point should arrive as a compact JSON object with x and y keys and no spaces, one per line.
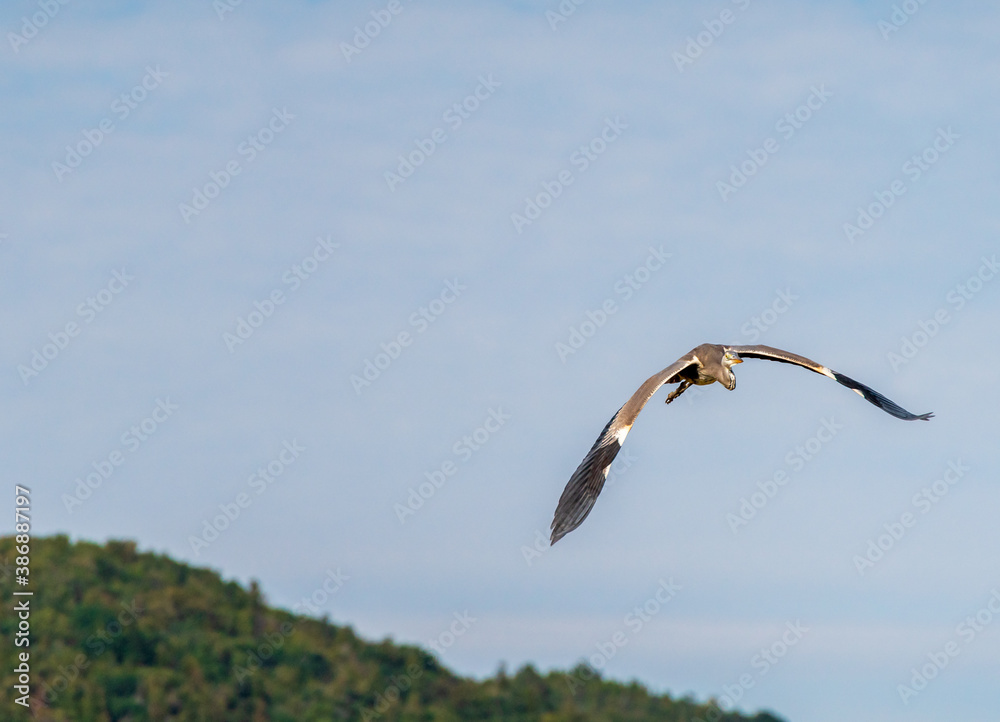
{"x":704,"y":365}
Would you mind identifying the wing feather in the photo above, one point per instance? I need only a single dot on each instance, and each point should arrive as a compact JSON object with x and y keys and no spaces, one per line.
{"x":585,"y":485}
{"x":869,"y":394}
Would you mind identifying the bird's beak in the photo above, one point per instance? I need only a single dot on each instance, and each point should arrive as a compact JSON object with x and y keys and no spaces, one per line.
{"x":737,"y":360}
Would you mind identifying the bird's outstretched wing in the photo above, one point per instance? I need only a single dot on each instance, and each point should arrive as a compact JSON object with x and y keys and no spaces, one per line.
{"x":587,"y":481}
{"x":776,"y":354}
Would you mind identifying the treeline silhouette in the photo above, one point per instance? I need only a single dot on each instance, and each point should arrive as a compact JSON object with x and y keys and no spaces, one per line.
{"x":119,"y":635}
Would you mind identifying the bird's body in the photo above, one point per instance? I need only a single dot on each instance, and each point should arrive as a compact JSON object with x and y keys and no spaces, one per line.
{"x":703,"y":365}
{"x":711,"y":363}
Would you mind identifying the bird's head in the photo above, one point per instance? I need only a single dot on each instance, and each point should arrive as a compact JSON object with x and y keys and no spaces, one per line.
{"x":731,"y":358}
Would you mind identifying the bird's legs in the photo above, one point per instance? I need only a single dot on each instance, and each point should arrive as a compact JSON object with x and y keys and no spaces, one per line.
{"x":678,"y":391}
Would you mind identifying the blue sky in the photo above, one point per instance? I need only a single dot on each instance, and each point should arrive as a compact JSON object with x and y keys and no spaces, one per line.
{"x":819,"y":177}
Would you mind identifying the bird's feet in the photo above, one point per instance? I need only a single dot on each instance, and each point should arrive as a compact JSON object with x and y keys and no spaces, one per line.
{"x":680,"y":390}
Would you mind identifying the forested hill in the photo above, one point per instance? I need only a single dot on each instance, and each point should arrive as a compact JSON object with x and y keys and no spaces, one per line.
{"x":121,"y":635}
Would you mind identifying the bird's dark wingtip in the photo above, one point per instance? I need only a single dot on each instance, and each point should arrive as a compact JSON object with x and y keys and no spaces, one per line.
{"x":874,"y":397}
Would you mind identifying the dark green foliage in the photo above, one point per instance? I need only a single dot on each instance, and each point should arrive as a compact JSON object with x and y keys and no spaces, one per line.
{"x":119,"y":635}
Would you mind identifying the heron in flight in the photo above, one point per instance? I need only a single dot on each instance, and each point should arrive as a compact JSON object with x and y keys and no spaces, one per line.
{"x":704,"y":365}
